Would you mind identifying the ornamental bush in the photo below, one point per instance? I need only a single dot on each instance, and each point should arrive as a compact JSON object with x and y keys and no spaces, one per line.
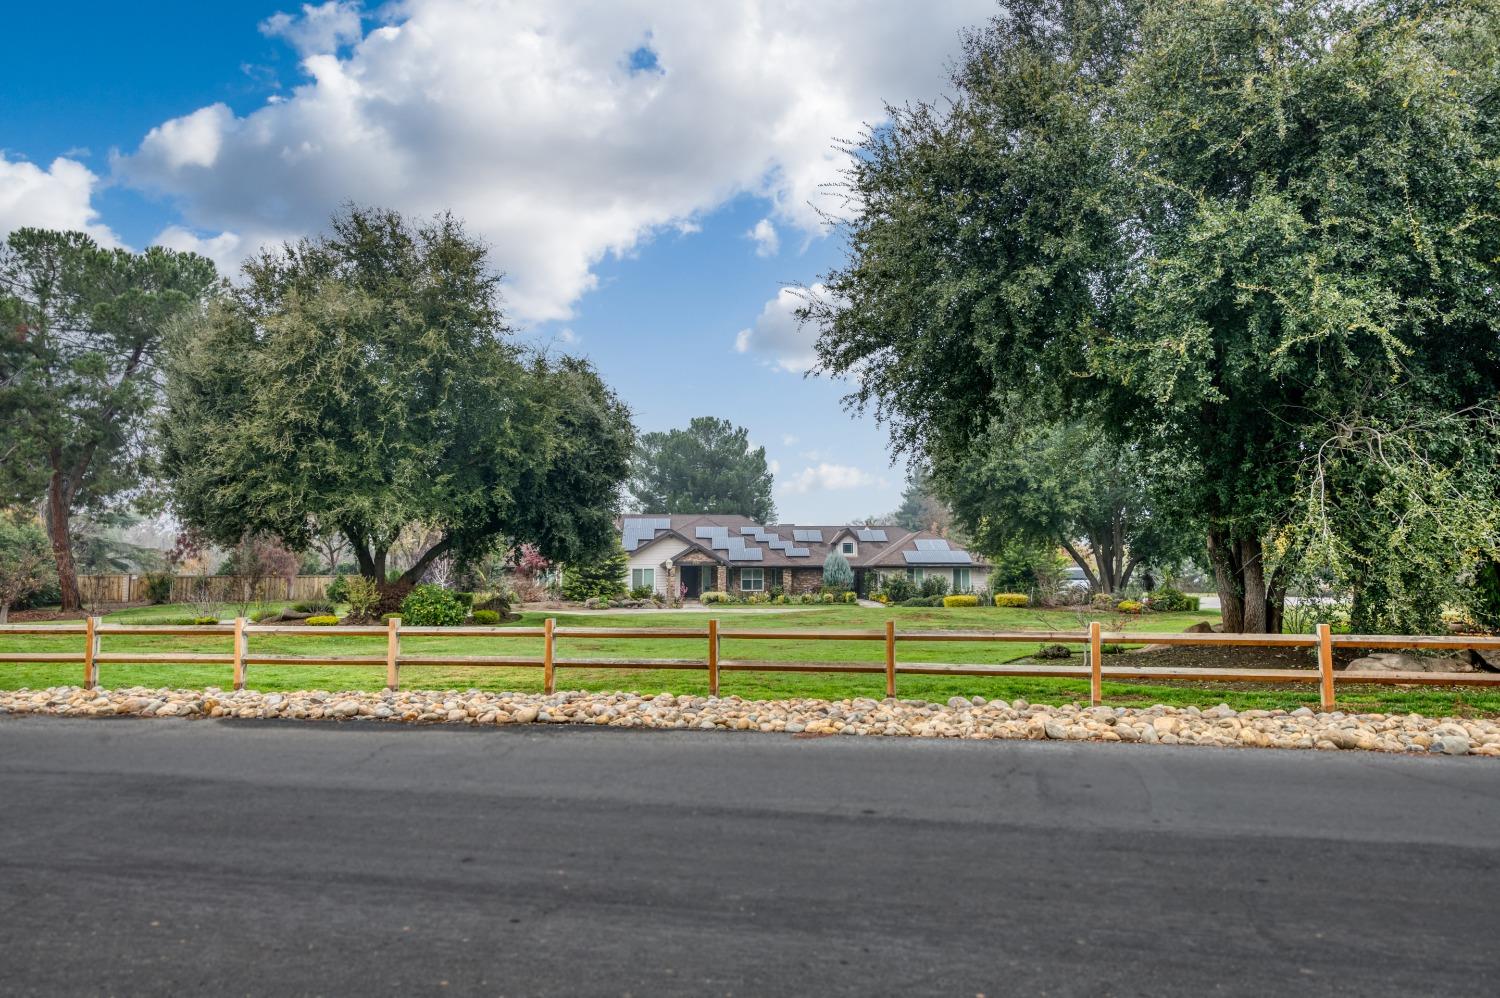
{"x":851,"y":597}
{"x":158,"y":587}
{"x":428,"y":605}
{"x":1170,"y":600}
{"x":326,"y":620}
{"x":934,"y":585}
{"x":486,"y":617}
{"x":713,"y":596}
{"x":897,"y":588}
{"x":963,"y":599}
{"x":1012,"y":599}
{"x":363,"y":597}
{"x":205,"y":620}
{"x":1130,"y":606}
{"x":337,"y":591}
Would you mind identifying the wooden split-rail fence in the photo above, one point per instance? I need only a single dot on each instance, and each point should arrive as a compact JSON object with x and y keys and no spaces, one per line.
{"x":242,"y":659}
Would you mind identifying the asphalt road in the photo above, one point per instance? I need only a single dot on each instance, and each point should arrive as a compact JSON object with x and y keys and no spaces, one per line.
{"x":175,"y":857}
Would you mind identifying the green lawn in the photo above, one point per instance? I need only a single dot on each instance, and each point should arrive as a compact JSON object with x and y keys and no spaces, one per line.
{"x":746,"y":684}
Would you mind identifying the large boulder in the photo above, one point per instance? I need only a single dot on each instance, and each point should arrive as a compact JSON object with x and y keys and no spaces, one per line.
{"x":1398,"y":662}
{"x":1487,"y":659}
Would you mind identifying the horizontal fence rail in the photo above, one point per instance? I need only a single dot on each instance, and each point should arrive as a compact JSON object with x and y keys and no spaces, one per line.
{"x":240,"y":657}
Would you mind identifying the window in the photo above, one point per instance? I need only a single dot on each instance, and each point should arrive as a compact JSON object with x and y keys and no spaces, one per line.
{"x":914,"y":574}
{"x":752,"y":580}
{"x":643,"y":578}
{"x":960,"y":580}
{"x":848,"y":547}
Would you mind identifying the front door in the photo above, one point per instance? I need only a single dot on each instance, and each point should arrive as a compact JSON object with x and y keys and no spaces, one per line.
{"x":692,"y":580}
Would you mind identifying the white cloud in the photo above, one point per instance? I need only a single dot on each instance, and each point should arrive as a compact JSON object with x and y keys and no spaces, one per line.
{"x":788,"y":439}
{"x":826,"y":477}
{"x":320,"y":28}
{"x":59,"y":197}
{"x":525,"y":118}
{"x":777,"y":335}
{"x":767,"y":243}
{"x":224,"y":249}
{"x":567,"y":336}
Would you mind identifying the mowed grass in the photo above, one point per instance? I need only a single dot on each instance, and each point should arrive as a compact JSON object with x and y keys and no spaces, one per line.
{"x":751,"y":685}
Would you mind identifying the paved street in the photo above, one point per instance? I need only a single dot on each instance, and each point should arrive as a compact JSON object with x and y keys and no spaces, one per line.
{"x":275,"y":858}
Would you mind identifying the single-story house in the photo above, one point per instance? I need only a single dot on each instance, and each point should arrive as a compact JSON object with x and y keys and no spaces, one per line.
{"x":693,"y":553}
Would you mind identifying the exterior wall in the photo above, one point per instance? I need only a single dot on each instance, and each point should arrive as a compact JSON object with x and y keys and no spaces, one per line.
{"x":806,"y":580}
{"x":652,"y":557}
{"x":979,"y":578}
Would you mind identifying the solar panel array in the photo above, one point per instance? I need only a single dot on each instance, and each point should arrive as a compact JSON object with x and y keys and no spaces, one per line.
{"x":931,"y":556}
{"x":933,"y":544}
{"x":806,"y":536}
{"x":870,"y":534}
{"x":640,"y":529}
{"x":797,"y":552}
{"x":745,"y":554}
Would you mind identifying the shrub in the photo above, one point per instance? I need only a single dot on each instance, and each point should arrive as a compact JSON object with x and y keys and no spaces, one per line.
{"x":1103,"y":601}
{"x":603,"y":579}
{"x":914,"y":601}
{"x":642,"y":592}
{"x":467,"y":599}
{"x":337,"y":591}
{"x":780,"y":599}
{"x":386,"y":618}
{"x":1170,"y":600}
{"x":486,"y":617}
{"x":428,"y":605}
{"x":883,"y":599}
{"x":934,"y":585}
{"x":1012,"y":599}
{"x":897,"y":588}
{"x":713,"y":596}
{"x":961,"y":600}
{"x":327,"y":620}
{"x":776,"y":593}
{"x":828,"y":598}
{"x":836,"y":572}
{"x":1130,"y":606}
{"x":158,"y":587}
{"x":851,"y":597}
{"x":260,"y":615}
{"x":806,"y":598}
{"x":205,"y":620}
{"x":1053,"y":651}
{"x":315,"y":606}
{"x":363,"y":597}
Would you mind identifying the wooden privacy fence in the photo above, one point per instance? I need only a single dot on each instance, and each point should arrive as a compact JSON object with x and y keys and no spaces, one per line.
{"x":203,"y":588}
{"x":241,"y":658}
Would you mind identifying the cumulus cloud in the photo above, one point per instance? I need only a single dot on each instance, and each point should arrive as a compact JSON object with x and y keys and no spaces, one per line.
{"x":778,"y":337}
{"x":318,"y":29}
{"x":526,"y":118}
{"x":223,"y":249}
{"x":59,"y":197}
{"x":826,"y":477}
{"x":767,"y":243}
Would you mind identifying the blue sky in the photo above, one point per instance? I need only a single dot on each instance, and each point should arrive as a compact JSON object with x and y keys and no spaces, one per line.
{"x":648,"y":174}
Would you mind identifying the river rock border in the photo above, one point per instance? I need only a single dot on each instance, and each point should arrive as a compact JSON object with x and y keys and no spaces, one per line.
{"x":974,"y":718}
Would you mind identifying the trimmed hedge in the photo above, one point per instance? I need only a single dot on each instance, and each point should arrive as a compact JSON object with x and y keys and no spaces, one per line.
{"x":962,"y":599}
{"x":1130,"y":606}
{"x":486,"y":616}
{"x":1012,"y":599}
{"x":327,"y":620}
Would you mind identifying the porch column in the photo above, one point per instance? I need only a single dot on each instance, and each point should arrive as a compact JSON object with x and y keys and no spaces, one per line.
{"x":786,"y":581}
{"x":721,"y":577}
{"x":673,"y":590}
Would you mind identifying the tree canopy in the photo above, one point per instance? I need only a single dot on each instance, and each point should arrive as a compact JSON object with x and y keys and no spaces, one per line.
{"x":364,"y":382}
{"x":709,"y":467}
{"x":80,"y":360}
{"x":1222,"y":233}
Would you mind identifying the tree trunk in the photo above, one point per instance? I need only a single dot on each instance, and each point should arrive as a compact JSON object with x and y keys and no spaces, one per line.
{"x":4,"y":613}
{"x":60,"y":536}
{"x":1249,"y":604}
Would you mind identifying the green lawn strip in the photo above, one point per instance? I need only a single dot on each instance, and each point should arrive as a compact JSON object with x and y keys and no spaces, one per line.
{"x":751,"y":685}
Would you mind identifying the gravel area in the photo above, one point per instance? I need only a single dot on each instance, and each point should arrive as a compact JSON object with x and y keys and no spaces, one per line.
{"x":974,"y":718}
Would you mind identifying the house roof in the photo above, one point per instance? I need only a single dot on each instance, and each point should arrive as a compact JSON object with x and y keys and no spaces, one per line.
{"x":739,"y":540}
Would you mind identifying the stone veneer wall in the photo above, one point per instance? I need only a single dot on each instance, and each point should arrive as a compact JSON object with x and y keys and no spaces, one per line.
{"x":806,"y":580}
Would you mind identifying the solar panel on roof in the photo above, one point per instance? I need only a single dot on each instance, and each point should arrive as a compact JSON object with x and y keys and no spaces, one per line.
{"x":867,"y":534}
{"x":712,"y":532}
{"x":649,"y":522}
{"x":797,"y":552}
{"x":777,"y":544}
{"x":932,"y":544}
{"x":814,"y":536}
{"x":930,"y":557}
{"x":745,"y":554}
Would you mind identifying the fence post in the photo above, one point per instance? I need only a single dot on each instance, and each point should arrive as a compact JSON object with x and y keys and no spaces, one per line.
{"x":1325,"y":665}
{"x":890,"y":659}
{"x":1096,"y":655}
{"x":91,"y":650}
{"x":393,"y":654}
{"x":239,"y":653}
{"x":548,"y":683}
{"x":713,"y":657}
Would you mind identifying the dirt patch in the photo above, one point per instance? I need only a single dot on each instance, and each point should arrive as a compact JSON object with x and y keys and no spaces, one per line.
{"x":46,"y":614}
{"x":1221,"y":657}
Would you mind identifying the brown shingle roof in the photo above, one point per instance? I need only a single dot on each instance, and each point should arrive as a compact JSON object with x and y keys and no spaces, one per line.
{"x":892,"y":553}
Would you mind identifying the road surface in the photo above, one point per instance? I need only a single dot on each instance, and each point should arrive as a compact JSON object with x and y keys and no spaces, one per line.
{"x":198,"y":857}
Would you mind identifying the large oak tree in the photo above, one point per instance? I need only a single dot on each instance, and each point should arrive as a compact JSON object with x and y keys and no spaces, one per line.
{"x":365,"y":382}
{"x":1225,"y":231}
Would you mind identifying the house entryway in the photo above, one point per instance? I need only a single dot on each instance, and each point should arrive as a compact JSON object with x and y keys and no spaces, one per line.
{"x":696,"y":580}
